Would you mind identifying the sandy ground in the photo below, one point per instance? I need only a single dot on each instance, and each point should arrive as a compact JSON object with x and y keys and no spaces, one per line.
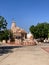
{"x":27,"y":55}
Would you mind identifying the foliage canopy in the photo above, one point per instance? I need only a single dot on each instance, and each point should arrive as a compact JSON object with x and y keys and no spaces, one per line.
{"x":3,"y":29}
{"x":41,"y":30}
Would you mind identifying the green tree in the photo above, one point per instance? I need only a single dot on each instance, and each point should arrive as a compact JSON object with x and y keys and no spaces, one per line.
{"x":40,"y":30}
{"x":3,"y":23}
{"x":3,"y":28}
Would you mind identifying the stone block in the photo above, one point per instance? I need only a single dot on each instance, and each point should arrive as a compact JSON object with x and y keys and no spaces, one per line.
{"x":4,"y":41}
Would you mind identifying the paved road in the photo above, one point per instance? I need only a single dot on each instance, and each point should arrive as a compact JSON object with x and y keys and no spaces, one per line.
{"x":28,"y":55}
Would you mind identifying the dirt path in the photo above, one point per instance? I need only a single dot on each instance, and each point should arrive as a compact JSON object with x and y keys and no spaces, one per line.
{"x":28,"y":55}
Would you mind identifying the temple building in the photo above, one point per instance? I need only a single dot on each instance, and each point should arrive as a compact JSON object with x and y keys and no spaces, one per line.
{"x":18,"y":33}
{"x":20,"y":36}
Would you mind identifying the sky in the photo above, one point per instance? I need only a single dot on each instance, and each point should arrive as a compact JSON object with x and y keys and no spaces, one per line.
{"x":25,"y":12}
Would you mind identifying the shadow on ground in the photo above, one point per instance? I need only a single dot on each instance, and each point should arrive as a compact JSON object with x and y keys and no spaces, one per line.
{"x":7,"y":49}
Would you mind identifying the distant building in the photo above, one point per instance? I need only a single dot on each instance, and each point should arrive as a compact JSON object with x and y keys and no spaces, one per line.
{"x":18,"y":33}
{"x":20,"y":36}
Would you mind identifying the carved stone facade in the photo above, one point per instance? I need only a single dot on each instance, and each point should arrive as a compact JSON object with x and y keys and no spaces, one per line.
{"x":18,"y":33}
{"x":20,"y":36}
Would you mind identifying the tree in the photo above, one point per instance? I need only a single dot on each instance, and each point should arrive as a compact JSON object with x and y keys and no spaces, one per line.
{"x":3,"y":28}
{"x":3,"y":23}
{"x":40,"y":30}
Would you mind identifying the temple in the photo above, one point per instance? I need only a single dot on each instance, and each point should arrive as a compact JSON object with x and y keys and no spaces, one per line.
{"x":20,"y":36}
{"x":18,"y":33}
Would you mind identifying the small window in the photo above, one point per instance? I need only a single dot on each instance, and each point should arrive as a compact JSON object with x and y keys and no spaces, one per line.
{"x":18,"y":37}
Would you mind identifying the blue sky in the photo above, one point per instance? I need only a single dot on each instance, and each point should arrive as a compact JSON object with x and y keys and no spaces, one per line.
{"x":25,"y":12}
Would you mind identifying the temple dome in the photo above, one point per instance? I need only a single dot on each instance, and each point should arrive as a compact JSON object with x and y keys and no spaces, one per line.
{"x":29,"y":35}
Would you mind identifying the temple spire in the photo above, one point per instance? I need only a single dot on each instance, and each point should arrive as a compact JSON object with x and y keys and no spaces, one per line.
{"x":13,"y":20}
{"x":13,"y":24}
